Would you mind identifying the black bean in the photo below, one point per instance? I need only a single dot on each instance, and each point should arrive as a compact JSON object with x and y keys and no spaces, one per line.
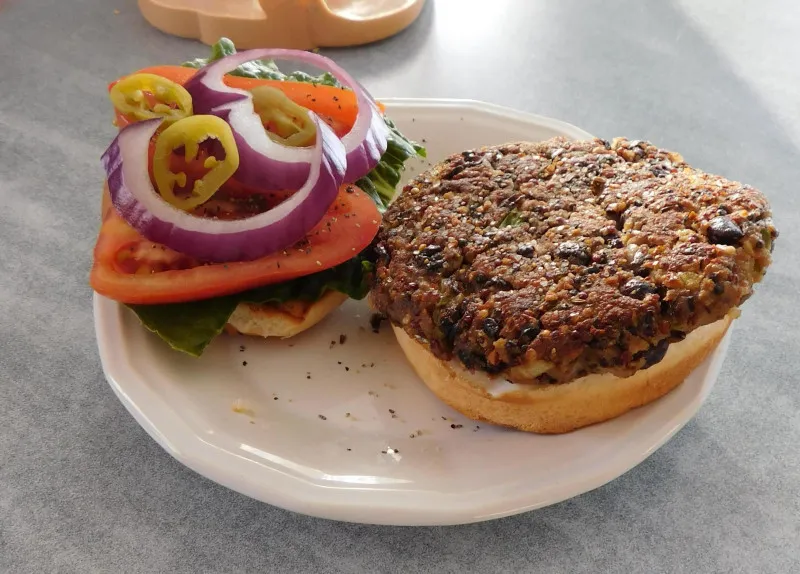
{"x":431,"y":250}
{"x":723,"y":230}
{"x":479,"y":278}
{"x":654,"y":354}
{"x":498,"y":282}
{"x":528,"y":334}
{"x":491,"y":327}
{"x":454,"y":172}
{"x":375,"y":321}
{"x":616,"y":243}
{"x":659,"y":171}
{"x":574,"y":252}
{"x":638,"y":288}
{"x":435,"y":263}
{"x":526,"y":250}
{"x":648,"y":325}
{"x":448,"y":328}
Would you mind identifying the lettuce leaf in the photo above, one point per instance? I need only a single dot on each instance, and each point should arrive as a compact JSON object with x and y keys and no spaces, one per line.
{"x":380,"y":183}
{"x":260,"y":69}
{"x":190,"y":327}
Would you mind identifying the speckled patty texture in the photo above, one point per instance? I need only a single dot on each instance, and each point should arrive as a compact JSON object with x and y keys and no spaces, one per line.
{"x":544,"y":262}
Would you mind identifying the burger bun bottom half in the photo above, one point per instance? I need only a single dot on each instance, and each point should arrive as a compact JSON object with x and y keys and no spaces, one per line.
{"x":559,"y":408}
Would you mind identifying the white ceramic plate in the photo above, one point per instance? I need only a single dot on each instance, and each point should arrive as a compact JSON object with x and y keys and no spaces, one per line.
{"x":365,"y":466}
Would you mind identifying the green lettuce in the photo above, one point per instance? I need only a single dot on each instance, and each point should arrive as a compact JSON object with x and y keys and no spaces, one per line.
{"x":190,"y":327}
{"x":260,"y":69}
{"x":380,"y":183}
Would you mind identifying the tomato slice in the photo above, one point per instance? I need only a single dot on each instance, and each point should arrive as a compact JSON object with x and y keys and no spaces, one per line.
{"x":130,"y":269}
{"x":337,"y":106}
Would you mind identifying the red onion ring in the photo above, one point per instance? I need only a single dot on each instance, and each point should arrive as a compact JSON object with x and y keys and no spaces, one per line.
{"x":265,"y":163}
{"x":214,"y":240}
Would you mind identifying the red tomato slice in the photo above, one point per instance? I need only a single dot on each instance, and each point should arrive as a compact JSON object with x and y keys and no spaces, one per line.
{"x":130,"y":269}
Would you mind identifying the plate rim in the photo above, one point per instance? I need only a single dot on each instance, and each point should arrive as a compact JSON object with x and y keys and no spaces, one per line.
{"x":190,"y":450}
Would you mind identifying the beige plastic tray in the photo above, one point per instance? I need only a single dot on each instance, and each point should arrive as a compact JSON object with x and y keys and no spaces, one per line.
{"x":298,"y":24}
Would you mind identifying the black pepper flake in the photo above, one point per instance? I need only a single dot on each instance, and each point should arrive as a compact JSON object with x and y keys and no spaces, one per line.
{"x":323,"y":417}
{"x":244,"y":363}
{"x":274,"y":398}
{"x":241,"y":348}
{"x":455,"y":426}
{"x":349,"y":449}
{"x":342,"y":339}
{"x":339,"y":362}
{"x":347,"y":368}
{"x":308,"y":376}
{"x":391,"y":411}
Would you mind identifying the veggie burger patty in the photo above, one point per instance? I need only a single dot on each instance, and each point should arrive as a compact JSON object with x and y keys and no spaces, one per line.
{"x":545,"y":262}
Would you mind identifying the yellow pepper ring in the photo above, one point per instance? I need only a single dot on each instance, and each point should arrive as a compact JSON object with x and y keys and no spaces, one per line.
{"x":173,"y":102}
{"x":189,"y":133}
{"x":292,"y":125}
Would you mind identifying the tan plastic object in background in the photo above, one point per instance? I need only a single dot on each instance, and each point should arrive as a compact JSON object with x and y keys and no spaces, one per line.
{"x":298,"y":24}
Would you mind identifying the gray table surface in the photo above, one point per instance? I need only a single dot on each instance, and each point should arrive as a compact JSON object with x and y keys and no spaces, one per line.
{"x":84,"y":489}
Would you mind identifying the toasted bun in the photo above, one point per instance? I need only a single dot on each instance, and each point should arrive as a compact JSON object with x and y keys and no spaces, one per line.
{"x":553,"y":409}
{"x":284,"y":320}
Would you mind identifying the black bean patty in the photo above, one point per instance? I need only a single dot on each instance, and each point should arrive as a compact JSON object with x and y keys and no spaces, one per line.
{"x":548,"y":261}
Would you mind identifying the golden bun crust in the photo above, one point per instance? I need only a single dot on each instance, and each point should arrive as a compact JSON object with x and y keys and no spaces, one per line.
{"x":559,"y":408}
{"x":284,"y":320}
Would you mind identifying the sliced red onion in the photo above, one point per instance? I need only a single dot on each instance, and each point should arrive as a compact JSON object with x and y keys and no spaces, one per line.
{"x":267,"y":164}
{"x":214,"y":240}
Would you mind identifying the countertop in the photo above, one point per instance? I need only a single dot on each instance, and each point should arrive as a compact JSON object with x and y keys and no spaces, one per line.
{"x":84,"y":489}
